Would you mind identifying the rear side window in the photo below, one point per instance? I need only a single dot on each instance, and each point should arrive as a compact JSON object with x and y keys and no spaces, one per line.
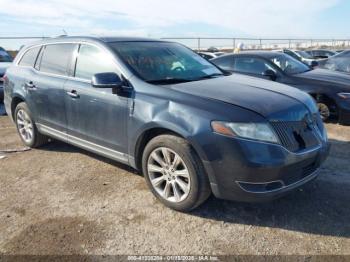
{"x":56,"y":59}
{"x":29,"y":57}
{"x":92,"y":60}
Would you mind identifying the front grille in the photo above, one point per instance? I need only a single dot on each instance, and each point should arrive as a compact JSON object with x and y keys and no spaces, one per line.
{"x":296,"y":135}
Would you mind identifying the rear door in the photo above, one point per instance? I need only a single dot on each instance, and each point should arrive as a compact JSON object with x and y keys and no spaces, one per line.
{"x":22,"y":76}
{"x":48,"y":85}
{"x":96,"y":117}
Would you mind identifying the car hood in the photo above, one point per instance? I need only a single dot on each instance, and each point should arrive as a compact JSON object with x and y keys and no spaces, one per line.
{"x":328,"y":76}
{"x":267,"y":98}
{"x":3,"y":67}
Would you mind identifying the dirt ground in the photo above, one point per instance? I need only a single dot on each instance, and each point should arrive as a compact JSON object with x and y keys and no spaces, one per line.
{"x":63,"y":200}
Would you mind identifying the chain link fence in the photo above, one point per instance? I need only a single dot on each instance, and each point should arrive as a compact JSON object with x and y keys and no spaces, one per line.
{"x":228,"y":44}
{"x":13,"y":44}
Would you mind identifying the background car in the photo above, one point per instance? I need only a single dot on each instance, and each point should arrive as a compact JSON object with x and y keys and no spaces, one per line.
{"x":331,"y":90}
{"x":340,"y":50}
{"x":210,"y":55}
{"x":339,"y":62}
{"x":321,"y":53}
{"x":5,"y":62}
{"x":302,"y":56}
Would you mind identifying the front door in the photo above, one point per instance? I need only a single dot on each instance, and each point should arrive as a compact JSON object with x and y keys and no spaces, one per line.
{"x":96,"y":118}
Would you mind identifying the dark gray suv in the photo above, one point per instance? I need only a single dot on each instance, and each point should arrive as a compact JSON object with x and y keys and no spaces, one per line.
{"x":157,"y":106}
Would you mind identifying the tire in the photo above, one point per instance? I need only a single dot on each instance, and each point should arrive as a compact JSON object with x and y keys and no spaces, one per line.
{"x":26,"y":127}
{"x":324,"y":110}
{"x":185,"y":190}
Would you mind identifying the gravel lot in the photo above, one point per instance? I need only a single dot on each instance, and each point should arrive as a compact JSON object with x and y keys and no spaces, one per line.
{"x":63,"y":200}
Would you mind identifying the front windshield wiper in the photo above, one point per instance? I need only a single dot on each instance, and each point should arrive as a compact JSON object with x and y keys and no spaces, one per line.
{"x":168,"y":81}
{"x":210,"y":76}
{"x":299,"y":72}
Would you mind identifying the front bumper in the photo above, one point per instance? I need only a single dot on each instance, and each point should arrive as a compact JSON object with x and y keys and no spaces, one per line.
{"x":251,"y":171}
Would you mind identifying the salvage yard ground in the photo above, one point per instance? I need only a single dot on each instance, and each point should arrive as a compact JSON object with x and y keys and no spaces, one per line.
{"x":62,"y":200}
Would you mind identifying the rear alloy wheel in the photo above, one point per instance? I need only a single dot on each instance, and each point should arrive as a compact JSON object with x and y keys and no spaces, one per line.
{"x":174,"y":173}
{"x":26,"y":128}
{"x":324,"y":111}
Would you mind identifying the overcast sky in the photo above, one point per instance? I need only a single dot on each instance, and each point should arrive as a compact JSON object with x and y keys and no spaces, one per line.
{"x":160,"y":18}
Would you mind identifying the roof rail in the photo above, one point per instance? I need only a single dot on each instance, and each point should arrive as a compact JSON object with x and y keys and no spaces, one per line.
{"x":58,"y":36}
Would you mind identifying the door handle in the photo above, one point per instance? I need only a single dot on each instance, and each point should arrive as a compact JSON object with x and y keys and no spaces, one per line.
{"x":73,"y":94}
{"x":30,"y":85}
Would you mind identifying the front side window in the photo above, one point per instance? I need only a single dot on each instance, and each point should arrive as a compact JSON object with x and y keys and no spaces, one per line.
{"x":162,"y":62}
{"x":251,"y":65}
{"x":92,"y":60}
{"x":289,"y":65}
{"x":56,"y":58}
{"x":225,"y":62}
{"x":29,"y":57}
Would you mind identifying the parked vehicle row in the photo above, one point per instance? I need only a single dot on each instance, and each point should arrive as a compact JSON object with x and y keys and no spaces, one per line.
{"x":339,"y":62}
{"x":331,"y":90}
{"x":321,"y":53}
{"x":191,"y":128}
{"x":5,"y":61}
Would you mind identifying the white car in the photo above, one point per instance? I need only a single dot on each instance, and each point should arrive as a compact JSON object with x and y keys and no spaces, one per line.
{"x":302,"y":56}
{"x":210,"y":55}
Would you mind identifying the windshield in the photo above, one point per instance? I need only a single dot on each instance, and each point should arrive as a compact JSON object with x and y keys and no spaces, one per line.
{"x":162,"y":62}
{"x":304,"y":54}
{"x":5,"y":57}
{"x":289,"y":65}
{"x":345,"y":53}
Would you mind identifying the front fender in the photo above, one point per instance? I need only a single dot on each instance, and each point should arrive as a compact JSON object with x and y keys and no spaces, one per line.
{"x":183,"y":120}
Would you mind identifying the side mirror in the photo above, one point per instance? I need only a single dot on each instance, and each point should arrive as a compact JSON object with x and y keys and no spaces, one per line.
{"x":314,"y":64}
{"x":270,"y":74}
{"x":106,"y":80}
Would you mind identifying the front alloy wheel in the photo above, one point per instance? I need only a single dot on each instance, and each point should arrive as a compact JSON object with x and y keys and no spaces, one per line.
{"x":168,"y":174}
{"x":174,"y":173}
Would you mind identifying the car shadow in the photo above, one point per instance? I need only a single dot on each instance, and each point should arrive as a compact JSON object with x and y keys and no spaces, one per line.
{"x":58,"y":146}
{"x":320,"y":207}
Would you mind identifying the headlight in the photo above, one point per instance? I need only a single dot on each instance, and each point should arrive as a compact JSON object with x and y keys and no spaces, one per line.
{"x":256,"y":131}
{"x":344,"y":95}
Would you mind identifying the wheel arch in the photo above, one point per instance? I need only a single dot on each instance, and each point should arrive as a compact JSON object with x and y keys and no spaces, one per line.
{"x":16,"y":99}
{"x":154,"y":131}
